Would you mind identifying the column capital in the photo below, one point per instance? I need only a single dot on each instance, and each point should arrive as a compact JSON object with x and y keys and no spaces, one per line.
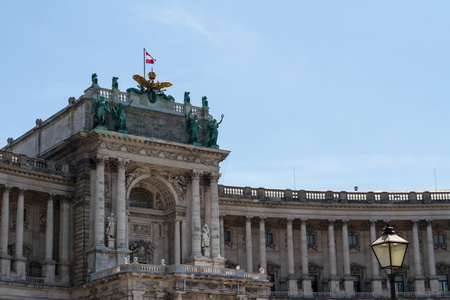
{"x":304,"y":220}
{"x":22,"y":191}
{"x":196,"y":174}
{"x":415,"y":221}
{"x":214,"y":177}
{"x":331,"y":222}
{"x":345,"y":221}
{"x":122,"y":163}
{"x":248,"y":218}
{"x":7,"y":189}
{"x":262,"y":219}
{"x":373,"y":221}
{"x":290,"y":220}
{"x":429,"y":222}
{"x":222,"y":216}
{"x":100,"y":160}
{"x":51,"y":196}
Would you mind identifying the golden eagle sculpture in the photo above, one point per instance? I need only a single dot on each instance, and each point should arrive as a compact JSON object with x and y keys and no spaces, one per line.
{"x":150,"y":85}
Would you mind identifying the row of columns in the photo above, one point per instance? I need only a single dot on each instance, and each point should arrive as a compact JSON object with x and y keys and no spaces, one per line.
{"x":334,"y":285}
{"x":19,"y":261}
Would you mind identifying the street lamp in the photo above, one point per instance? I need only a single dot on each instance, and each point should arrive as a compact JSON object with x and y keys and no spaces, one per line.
{"x":390,"y":250}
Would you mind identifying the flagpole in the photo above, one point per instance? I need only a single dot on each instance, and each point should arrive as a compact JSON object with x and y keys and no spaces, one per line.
{"x":144,"y":62}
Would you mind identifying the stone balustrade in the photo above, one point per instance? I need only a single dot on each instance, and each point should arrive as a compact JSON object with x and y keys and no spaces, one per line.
{"x":186,"y":269}
{"x":36,"y":164}
{"x":337,"y":197}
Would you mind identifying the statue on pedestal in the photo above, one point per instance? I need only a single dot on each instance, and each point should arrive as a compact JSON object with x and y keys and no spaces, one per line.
{"x":204,"y":101}
{"x":213,"y":132}
{"x":115,"y":83}
{"x":111,"y":229}
{"x":119,"y":115}
{"x":187,"y":98}
{"x":94,"y":79}
{"x":99,"y":108}
{"x":205,"y":236}
{"x":192,"y":126}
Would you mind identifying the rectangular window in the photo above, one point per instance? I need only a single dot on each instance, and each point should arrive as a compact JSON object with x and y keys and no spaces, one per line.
{"x":227,"y":236}
{"x":352,"y":240}
{"x":439,"y":239}
{"x":399,"y":286}
{"x":310,"y":239}
{"x":443,"y":283}
{"x":269,"y":238}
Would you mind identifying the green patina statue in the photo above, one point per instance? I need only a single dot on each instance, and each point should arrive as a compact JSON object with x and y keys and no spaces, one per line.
{"x":115,"y":84}
{"x":204,"y":101}
{"x":187,"y":98}
{"x":192,"y":126}
{"x":94,"y":79}
{"x":99,"y":108}
{"x":213,"y":132}
{"x":118,"y":113}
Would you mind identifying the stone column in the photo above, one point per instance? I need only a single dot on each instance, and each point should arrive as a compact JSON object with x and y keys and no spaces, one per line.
{"x":434,"y":280}
{"x":292,"y":280}
{"x":222,"y":234}
{"x":64,"y":263}
{"x":215,"y":228}
{"x":5,"y":257}
{"x":376,"y":279}
{"x":184,"y":248}
{"x":196,"y":219}
{"x":121,"y":205}
{"x":177,"y":238}
{"x":99,"y":225}
{"x":348,"y":279}
{"x":306,"y":280}
{"x":48,"y":266}
{"x":262,"y":243}
{"x":334,"y":280}
{"x":419,"y":279}
{"x":19,"y":259}
{"x":248,"y":244}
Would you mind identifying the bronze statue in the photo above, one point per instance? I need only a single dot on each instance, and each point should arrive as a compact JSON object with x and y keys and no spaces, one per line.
{"x":94,"y":79}
{"x":99,"y":108}
{"x":119,"y":115}
{"x":192,"y":126}
{"x":213,"y":132}
{"x":187,"y":98}
{"x":204,"y":101}
{"x":115,"y":84}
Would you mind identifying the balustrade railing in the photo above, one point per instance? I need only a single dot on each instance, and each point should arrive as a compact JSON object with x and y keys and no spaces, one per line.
{"x":36,"y":164}
{"x":329,"y":196}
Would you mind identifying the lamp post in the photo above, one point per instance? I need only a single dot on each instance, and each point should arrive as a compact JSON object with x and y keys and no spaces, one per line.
{"x":390,"y":250}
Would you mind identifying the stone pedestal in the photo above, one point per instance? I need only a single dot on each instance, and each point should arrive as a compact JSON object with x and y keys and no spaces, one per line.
{"x":377,"y":290}
{"x":306,"y":284}
{"x":349,"y":287}
{"x":20,"y":267}
{"x":101,"y":258}
{"x":292,"y":286}
{"x":64,"y":270}
{"x":434,"y":286}
{"x":334,"y":286}
{"x":6,"y":267}
{"x":48,"y":270}
{"x":206,"y":252}
{"x":111,"y":243}
{"x":419,"y":285}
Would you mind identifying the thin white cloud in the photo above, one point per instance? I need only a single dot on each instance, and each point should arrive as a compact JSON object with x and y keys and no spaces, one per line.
{"x":178,"y":17}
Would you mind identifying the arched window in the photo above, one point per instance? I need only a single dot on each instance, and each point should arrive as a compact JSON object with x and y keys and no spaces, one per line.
{"x":141,"y":197}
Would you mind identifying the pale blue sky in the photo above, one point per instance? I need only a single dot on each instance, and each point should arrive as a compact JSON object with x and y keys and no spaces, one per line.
{"x":345,"y":92}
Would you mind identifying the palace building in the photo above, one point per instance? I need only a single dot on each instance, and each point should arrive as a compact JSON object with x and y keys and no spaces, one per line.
{"x":116,"y":196}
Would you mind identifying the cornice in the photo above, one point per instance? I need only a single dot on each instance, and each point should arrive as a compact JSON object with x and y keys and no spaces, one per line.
{"x":336,"y":206}
{"x":36,"y":174}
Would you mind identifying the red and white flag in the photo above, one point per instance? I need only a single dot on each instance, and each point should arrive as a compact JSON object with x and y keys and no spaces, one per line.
{"x":149,"y":59}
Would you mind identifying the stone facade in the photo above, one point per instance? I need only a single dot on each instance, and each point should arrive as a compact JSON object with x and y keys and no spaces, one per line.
{"x":93,"y":213}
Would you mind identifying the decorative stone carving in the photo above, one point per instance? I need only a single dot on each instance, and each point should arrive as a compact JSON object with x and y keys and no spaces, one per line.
{"x":143,"y":250}
{"x":179,"y":184}
{"x":42,"y":219}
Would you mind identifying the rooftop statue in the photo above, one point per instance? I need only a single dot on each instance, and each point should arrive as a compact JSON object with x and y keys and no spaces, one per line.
{"x":94,"y":79}
{"x":115,"y":84}
{"x":213,"y":132}
{"x":187,"y":98}
{"x":204,"y":101}
{"x":99,"y":108}
{"x":150,"y":87}
{"x":192,"y":126}
{"x":119,"y":114}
